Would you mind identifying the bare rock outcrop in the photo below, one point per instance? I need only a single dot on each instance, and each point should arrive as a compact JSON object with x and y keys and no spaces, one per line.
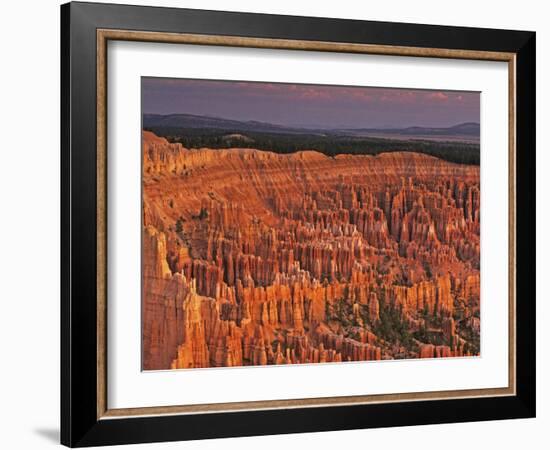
{"x":255,"y":258}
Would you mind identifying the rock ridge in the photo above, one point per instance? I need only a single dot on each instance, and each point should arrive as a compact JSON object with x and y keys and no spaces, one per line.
{"x":256,"y":258}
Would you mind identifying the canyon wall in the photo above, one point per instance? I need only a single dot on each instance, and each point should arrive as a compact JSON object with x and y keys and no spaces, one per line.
{"x":253,"y":258}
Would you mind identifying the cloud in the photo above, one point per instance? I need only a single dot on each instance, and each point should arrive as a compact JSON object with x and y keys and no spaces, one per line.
{"x":439,"y":96}
{"x":316,"y":94}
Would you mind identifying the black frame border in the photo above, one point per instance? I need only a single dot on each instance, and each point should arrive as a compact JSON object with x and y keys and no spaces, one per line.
{"x":79,"y":423}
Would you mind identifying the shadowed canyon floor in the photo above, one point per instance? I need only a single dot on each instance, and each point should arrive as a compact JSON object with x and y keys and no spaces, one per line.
{"x":254,"y":258}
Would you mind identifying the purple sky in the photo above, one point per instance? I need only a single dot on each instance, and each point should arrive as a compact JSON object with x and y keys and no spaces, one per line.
{"x":309,"y":105}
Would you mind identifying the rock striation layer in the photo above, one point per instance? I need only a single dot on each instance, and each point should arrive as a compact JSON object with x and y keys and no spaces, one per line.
{"x":255,"y":258}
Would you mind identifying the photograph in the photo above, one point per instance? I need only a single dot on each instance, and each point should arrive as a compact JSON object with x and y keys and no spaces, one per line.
{"x":276,"y":223}
{"x":292,"y":224}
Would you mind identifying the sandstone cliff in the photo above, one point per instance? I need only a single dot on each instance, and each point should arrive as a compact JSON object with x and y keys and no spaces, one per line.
{"x":252,"y":257}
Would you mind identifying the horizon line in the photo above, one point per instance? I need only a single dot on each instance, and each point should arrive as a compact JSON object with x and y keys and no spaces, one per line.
{"x":309,"y":127}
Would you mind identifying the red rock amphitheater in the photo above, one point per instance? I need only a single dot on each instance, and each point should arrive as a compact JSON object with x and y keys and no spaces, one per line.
{"x":257,"y":258}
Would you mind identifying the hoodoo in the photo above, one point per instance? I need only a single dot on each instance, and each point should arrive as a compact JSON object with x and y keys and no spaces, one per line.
{"x":253,"y":258}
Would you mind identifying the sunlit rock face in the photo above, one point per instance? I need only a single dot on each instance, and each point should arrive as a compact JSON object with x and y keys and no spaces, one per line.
{"x":256,"y":258}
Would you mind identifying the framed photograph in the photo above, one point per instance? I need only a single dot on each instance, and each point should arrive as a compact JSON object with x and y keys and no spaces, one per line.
{"x":276,"y":224}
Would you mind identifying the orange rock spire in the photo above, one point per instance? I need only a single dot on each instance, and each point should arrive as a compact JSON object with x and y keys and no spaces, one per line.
{"x":252,"y":257}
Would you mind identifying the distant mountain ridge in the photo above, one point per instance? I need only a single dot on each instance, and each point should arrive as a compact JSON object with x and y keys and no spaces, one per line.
{"x":192,"y":121}
{"x":195,"y":121}
{"x":461,"y":129}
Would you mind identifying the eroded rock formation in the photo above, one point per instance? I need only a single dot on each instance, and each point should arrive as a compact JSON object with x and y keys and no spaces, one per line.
{"x":253,"y":258}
